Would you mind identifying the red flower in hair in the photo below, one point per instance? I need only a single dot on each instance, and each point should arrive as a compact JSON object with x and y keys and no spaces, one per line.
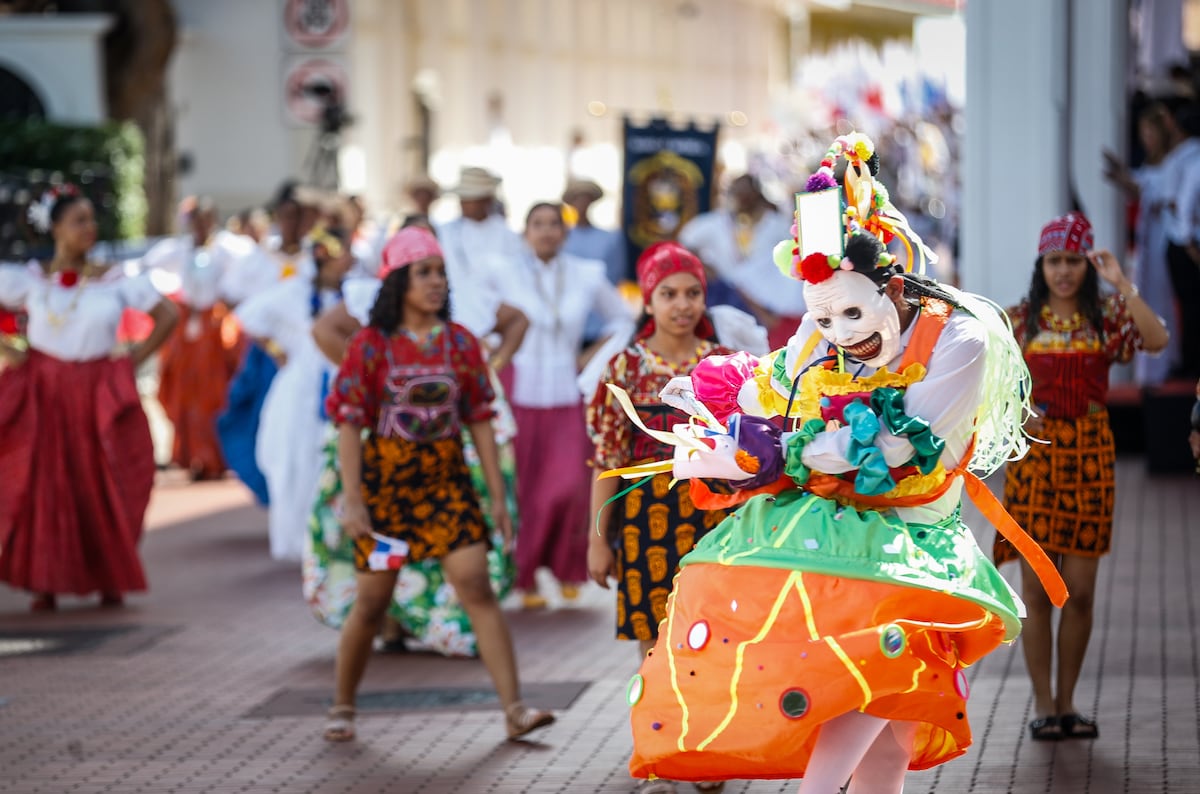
{"x":815,"y":268}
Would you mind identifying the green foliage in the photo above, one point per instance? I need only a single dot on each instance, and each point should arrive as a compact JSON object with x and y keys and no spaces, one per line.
{"x":106,"y":162}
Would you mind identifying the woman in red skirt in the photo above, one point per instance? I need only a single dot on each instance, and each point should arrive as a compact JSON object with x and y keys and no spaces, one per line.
{"x":75,"y":445}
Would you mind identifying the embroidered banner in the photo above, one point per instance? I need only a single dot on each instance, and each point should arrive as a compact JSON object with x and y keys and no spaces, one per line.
{"x":668,"y":180}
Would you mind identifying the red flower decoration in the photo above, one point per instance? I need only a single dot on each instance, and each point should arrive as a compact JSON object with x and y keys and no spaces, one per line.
{"x":815,"y":268}
{"x":68,"y":278}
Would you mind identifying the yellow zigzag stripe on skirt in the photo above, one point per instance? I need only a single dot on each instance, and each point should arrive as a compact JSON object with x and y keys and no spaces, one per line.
{"x":916,"y":676}
{"x":862,"y":682}
{"x":741,"y":653}
{"x":808,"y":613}
{"x":683,"y":728}
{"x":725,"y":557}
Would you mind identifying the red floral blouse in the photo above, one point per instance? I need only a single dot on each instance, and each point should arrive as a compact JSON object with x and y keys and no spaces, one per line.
{"x":356,"y":393}
{"x":643,"y":374}
{"x":1069,"y":359}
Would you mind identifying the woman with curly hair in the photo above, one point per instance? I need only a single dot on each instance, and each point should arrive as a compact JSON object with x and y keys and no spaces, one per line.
{"x":412,"y":379}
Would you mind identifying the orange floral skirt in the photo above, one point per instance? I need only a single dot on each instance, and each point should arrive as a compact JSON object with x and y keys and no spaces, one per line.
{"x":421,"y":493}
{"x":1062,"y":492}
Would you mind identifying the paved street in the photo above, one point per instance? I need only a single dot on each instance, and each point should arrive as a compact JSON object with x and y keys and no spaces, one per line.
{"x":217,"y":679}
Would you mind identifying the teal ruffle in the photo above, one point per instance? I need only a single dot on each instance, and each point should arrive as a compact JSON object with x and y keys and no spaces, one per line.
{"x":873,"y":476}
{"x":793,"y":464}
{"x":888,"y":405}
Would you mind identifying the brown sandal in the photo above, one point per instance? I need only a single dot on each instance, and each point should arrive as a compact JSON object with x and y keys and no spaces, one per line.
{"x":522,"y":720}
{"x":340,"y":724}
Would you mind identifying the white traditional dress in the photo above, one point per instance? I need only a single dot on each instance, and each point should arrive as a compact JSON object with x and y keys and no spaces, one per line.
{"x":290,"y":430}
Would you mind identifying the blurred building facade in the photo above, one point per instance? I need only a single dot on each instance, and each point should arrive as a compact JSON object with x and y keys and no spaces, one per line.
{"x":533,"y":89}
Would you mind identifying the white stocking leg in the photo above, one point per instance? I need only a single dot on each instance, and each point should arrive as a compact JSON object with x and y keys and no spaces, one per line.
{"x":882,"y":769}
{"x":841,"y":745}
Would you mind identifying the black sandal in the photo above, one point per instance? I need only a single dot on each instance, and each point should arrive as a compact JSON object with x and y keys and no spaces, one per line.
{"x":1046,"y":729}
{"x":1076,"y":726}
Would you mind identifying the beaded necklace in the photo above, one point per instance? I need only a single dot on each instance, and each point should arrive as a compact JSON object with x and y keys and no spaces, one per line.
{"x":1059,"y":325}
{"x":659,"y":361}
{"x":55,"y":319}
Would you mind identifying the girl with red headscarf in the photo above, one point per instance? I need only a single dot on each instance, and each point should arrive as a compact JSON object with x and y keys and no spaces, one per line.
{"x":1062,"y":491}
{"x":640,"y":537}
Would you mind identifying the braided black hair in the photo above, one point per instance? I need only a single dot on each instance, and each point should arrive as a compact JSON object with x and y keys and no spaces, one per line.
{"x":863,"y":250}
{"x":388,"y":311}
{"x":1088,"y":299}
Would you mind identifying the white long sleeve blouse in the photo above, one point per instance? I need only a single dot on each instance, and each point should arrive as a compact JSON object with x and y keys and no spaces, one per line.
{"x":557,"y":297}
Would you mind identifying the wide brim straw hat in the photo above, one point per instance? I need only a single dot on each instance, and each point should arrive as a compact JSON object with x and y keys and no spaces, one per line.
{"x":583,"y":187}
{"x":476,"y":183}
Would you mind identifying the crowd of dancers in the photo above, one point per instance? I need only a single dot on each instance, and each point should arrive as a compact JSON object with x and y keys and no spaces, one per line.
{"x":432,"y":416}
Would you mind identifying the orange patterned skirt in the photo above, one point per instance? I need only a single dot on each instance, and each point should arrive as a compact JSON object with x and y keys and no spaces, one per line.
{"x":656,"y":525}
{"x":1062,"y":492}
{"x":421,"y":493}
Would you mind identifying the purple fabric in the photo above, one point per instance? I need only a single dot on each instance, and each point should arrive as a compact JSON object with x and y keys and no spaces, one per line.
{"x":759,"y":438}
{"x":553,"y":493}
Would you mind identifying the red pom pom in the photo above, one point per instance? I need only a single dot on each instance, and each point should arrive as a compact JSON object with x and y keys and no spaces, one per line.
{"x":815,"y":268}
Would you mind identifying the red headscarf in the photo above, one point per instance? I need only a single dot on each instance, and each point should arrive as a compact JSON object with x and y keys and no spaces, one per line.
{"x":666,"y":259}
{"x":411,"y":244}
{"x":1070,"y":232}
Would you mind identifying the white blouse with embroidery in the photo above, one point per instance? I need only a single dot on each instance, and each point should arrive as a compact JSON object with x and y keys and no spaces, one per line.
{"x":77,"y":323}
{"x":557,"y":297}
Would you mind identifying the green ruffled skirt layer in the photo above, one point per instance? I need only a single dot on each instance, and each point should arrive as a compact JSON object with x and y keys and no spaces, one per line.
{"x":804,"y":532}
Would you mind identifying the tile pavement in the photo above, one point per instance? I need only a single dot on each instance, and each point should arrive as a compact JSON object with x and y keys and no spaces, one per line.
{"x":165,"y":709}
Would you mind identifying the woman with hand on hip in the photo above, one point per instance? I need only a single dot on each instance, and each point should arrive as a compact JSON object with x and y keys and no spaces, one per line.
{"x":556,"y":292}
{"x":75,"y":445}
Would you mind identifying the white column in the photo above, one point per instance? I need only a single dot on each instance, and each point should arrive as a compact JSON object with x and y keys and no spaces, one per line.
{"x":1023,"y":153}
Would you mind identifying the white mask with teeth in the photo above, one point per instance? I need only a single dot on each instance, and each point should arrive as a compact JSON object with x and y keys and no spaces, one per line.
{"x":852,"y":313}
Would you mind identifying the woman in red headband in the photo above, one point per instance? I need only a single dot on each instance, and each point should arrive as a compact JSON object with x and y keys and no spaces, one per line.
{"x":1070,"y":335}
{"x":641,"y":536}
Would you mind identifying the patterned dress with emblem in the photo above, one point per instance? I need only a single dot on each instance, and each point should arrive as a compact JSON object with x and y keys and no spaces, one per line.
{"x":414,"y":396}
{"x":1062,"y":492}
{"x":655,"y":525}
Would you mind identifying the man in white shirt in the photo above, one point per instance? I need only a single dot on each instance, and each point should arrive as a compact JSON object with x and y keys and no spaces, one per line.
{"x":736,"y":245}
{"x":479,"y":248}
